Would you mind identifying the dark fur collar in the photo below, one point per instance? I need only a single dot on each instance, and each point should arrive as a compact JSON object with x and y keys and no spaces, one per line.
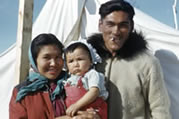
{"x":134,"y":45}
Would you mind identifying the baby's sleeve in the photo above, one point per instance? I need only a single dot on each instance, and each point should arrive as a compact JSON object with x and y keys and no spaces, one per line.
{"x":96,"y":79}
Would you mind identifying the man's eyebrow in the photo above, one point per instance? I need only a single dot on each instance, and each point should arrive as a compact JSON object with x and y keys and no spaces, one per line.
{"x":122,"y":22}
{"x":111,"y":22}
{"x":125,"y":22}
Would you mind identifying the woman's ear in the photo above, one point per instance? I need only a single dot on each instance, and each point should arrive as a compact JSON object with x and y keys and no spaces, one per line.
{"x":100,"y":25}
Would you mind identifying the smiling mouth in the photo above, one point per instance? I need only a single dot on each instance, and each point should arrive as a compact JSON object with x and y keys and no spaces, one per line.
{"x":52,"y":71}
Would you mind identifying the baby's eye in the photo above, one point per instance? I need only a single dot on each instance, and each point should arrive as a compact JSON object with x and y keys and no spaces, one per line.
{"x":70,"y":61}
{"x":79,"y":59}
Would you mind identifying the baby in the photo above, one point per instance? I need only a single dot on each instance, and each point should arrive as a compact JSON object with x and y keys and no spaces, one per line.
{"x":85,"y":88}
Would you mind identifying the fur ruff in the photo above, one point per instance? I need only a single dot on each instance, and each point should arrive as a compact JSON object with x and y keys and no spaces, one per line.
{"x":133,"y":46}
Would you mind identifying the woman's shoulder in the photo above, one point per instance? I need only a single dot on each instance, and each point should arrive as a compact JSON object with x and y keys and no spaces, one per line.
{"x":22,"y":84}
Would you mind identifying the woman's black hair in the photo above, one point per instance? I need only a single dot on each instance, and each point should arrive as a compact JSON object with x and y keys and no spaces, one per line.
{"x":42,"y":40}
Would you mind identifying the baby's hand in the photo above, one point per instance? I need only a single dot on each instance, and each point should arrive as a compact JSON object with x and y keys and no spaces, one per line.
{"x":72,"y":110}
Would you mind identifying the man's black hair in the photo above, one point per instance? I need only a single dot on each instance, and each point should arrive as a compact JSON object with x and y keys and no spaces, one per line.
{"x":116,"y":5}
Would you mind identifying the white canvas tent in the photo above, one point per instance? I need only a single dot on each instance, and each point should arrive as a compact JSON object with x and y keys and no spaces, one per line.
{"x":69,"y":19}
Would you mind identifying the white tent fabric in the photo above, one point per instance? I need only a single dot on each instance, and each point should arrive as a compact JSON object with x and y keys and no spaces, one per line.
{"x":73,"y":19}
{"x":7,"y":72}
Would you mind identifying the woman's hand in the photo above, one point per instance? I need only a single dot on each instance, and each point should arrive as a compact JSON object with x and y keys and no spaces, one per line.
{"x":89,"y":114}
{"x":63,"y":117}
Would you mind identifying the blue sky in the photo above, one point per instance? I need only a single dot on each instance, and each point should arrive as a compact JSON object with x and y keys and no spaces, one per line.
{"x":158,"y":9}
{"x":9,"y":19}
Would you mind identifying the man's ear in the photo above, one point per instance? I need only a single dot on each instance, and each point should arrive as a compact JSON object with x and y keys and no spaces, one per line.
{"x":100,"y":25}
{"x":132,"y":25}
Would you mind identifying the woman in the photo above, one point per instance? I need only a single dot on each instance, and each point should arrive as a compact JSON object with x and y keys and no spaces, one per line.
{"x":41,"y":95}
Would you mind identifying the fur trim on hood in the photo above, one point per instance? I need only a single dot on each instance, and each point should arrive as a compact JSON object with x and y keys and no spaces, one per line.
{"x":134,"y":45}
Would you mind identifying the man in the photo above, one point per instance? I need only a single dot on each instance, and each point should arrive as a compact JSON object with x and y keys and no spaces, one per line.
{"x":134,"y":77}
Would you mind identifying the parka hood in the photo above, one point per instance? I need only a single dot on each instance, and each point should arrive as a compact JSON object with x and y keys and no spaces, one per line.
{"x":134,"y":45}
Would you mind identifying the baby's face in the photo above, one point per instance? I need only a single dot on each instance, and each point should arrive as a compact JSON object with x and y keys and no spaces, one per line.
{"x":78,"y":61}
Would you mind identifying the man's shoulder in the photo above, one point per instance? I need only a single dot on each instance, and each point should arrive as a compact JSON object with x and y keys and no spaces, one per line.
{"x":147,"y":56}
{"x":145,"y":59}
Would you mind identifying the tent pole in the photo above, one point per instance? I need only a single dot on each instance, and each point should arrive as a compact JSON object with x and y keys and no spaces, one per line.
{"x":175,"y":14}
{"x":24,"y":34}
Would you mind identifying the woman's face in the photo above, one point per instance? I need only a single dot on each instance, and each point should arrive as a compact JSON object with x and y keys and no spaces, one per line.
{"x":49,"y":61}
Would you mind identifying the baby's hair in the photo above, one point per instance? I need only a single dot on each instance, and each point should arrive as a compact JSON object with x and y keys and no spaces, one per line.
{"x":74,"y":46}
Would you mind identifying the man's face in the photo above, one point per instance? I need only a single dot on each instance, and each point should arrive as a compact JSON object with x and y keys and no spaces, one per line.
{"x":115,"y":28}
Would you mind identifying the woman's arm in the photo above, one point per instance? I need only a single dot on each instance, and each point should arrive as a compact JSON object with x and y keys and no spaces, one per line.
{"x":16,"y":109}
